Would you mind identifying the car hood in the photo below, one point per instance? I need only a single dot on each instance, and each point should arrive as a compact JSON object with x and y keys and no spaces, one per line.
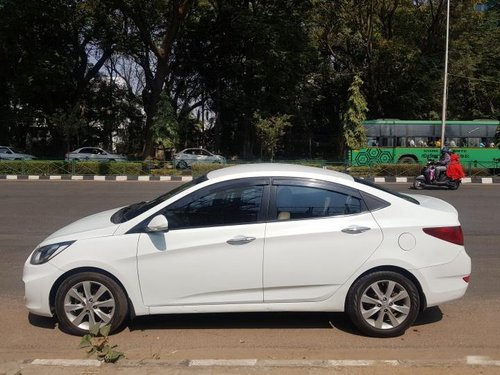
{"x":97,"y":225}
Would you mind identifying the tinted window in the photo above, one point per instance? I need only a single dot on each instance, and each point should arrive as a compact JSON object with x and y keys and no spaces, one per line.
{"x":301,"y":202}
{"x":216,"y":206}
{"x":395,"y":193}
{"x":129,"y":212}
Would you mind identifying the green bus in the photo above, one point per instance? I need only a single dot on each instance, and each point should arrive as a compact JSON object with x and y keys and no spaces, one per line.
{"x":416,"y":141}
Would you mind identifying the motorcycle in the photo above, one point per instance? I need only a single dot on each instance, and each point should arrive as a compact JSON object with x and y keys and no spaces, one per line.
{"x":427,"y":178}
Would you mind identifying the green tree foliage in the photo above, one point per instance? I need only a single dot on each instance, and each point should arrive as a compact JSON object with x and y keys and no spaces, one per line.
{"x":133,"y":74}
{"x":152,"y":31}
{"x":270,"y":131}
{"x":50,"y":51}
{"x":250,"y":55}
{"x":474,"y":71}
{"x":355,"y":114}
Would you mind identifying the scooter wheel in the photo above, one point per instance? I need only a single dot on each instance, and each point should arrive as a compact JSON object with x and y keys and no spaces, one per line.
{"x":453,"y":185}
{"x":418,"y":185}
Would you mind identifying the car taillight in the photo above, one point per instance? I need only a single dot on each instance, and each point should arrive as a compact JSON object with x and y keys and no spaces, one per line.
{"x":450,"y":234}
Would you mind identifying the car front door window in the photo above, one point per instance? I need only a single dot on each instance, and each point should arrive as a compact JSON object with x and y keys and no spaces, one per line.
{"x":225,"y":206}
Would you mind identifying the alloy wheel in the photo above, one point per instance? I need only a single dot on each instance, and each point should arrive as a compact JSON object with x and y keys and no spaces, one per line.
{"x":88,"y":303}
{"x":385,"y":304}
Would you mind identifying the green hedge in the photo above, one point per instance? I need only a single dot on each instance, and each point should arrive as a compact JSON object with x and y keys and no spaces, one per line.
{"x":45,"y":168}
{"x":60,"y":167}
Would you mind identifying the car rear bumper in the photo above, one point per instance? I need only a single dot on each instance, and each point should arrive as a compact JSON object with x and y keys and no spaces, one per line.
{"x":446,"y":282}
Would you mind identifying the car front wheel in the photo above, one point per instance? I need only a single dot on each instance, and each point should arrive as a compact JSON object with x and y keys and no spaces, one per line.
{"x":182,"y":165}
{"x":87,"y":299}
{"x":383,"y":304}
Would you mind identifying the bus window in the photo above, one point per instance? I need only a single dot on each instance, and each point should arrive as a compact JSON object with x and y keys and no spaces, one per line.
{"x":421,"y":141}
{"x":372,"y":142}
{"x":473,"y":142}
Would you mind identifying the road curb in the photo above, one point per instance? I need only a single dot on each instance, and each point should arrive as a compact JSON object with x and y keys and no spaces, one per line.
{"x":94,"y":178}
{"x":469,"y":361}
{"x":386,"y":179}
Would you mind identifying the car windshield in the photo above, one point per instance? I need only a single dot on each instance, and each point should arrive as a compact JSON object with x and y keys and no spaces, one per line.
{"x":135,"y":209}
{"x":373,"y":185}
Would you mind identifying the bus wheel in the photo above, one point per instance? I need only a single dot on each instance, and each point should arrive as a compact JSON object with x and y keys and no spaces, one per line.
{"x":407,"y":160}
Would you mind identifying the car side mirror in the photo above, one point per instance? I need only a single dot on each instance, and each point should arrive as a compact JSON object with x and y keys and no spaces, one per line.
{"x":159,"y":223}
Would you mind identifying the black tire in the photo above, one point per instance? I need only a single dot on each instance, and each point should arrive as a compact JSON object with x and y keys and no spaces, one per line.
{"x":182,"y":165}
{"x":389,"y":317}
{"x":110,"y":308}
{"x":407,"y":160}
{"x":453,"y":185}
{"x":418,"y":185}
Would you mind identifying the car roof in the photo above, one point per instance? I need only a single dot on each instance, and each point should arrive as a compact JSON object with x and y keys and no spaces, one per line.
{"x":276,"y":170}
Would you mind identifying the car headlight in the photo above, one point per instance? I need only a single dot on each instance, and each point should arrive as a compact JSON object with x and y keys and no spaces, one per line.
{"x":43,"y":254}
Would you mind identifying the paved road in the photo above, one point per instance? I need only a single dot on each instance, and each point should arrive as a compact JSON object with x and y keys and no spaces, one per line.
{"x":33,"y":209}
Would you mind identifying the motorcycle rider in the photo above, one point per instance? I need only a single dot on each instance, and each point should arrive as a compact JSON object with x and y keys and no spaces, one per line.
{"x":455,"y":170}
{"x":443,"y":162}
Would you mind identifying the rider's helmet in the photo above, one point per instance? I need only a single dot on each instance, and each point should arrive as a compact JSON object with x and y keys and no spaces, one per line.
{"x":445,"y":150}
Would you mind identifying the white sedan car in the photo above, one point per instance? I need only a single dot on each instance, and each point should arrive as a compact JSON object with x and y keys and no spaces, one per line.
{"x":189,"y":156}
{"x":93,"y":154}
{"x":9,"y":153}
{"x":262,"y":237}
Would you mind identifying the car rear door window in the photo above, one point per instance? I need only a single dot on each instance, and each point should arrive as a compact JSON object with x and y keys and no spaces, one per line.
{"x":305,"y":202}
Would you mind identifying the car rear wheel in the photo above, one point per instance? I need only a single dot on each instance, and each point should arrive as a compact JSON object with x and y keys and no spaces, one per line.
{"x":182,"y":165}
{"x":383,"y":304}
{"x":87,"y":299}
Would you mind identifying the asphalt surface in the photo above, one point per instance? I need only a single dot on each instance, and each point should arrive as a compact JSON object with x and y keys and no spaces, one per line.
{"x":33,"y":209}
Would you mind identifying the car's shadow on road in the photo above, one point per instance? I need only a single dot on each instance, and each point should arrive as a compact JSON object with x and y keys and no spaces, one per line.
{"x":272,"y":320}
{"x":42,"y":321}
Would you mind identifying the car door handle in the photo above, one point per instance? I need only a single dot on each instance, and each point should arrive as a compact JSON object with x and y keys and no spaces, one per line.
{"x":355,"y":229}
{"x":240,"y":240}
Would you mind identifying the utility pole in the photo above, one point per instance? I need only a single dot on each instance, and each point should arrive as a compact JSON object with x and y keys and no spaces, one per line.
{"x":445,"y":90}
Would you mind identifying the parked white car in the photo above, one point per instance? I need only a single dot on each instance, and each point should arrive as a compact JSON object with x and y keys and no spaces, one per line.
{"x":262,"y":237}
{"x":9,"y":153}
{"x":94,"y":154}
{"x":189,"y":156}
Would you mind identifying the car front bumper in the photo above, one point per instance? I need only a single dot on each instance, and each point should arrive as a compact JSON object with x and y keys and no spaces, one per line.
{"x":38,"y":281}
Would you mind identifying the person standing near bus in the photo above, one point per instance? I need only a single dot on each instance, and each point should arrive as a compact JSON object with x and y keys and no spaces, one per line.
{"x":444,"y":161}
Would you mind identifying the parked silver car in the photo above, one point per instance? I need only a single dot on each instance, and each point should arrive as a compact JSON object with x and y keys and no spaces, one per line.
{"x":9,"y":153}
{"x":94,"y":154}
{"x":189,"y":156}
